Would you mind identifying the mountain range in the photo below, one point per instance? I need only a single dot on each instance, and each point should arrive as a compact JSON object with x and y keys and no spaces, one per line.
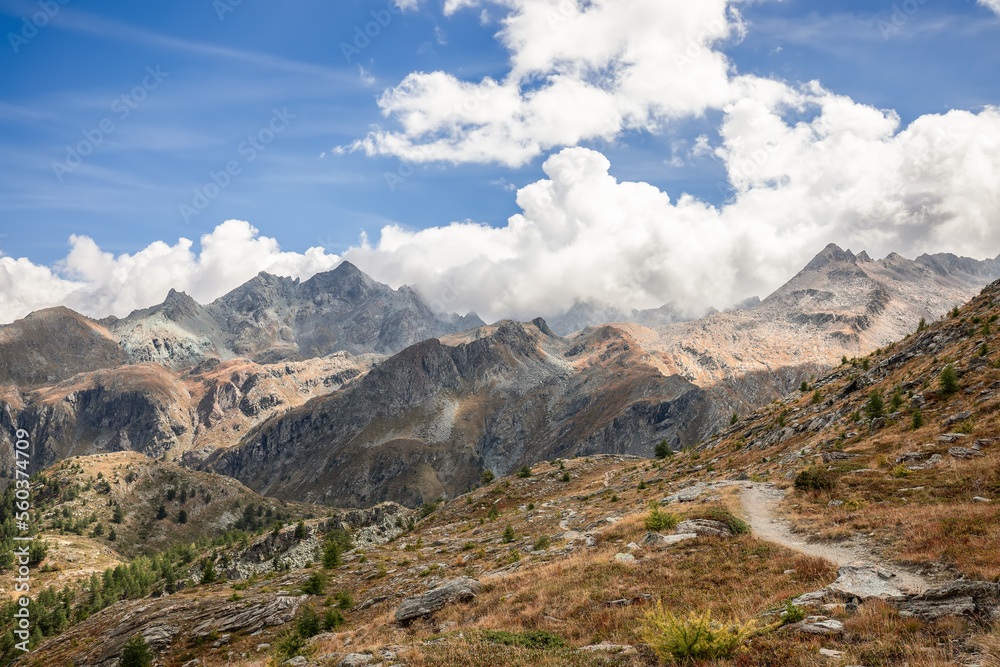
{"x":343,"y":391}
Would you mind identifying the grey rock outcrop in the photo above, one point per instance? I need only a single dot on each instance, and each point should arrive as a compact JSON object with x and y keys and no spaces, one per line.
{"x":977,"y":599}
{"x":462,"y":589}
{"x":703,"y":528}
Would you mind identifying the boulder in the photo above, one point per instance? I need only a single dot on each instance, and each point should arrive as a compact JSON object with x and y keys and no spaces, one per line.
{"x":960,"y":417}
{"x":657,"y":541}
{"x":964,"y":453}
{"x":625,"y":559}
{"x":357,"y":660}
{"x":818,"y":625}
{"x":865,"y":581}
{"x":833,"y":457}
{"x":703,"y":528}
{"x":461,"y":589}
{"x":979,"y":599}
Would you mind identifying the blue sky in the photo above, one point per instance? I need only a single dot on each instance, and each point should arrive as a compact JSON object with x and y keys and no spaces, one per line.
{"x":225,"y":74}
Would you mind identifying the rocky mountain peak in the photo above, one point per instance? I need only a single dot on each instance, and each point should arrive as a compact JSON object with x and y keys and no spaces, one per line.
{"x":179,"y":305}
{"x":831,"y":253}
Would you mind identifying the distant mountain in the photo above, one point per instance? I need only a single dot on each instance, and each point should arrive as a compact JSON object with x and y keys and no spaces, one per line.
{"x":428,"y":420}
{"x":585,"y":314}
{"x":268,"y":319}
{"x":248,"y":384}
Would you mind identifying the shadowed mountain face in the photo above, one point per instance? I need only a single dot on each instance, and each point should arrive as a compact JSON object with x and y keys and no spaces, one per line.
{"x":427,"y":421}
{"x":219,"y":386}
{"x":270,"y":319}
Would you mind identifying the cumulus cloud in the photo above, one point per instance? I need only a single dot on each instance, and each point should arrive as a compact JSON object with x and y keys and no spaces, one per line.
{"x":851,"y":175}
{"x":578,"y":71}
{"x":991,"y":4}
{"x":98,"y":283}
{"x":804,"y":165}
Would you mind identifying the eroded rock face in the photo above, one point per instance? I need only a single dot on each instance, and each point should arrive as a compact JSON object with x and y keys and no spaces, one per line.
{"x":462,"y":589}
{"x":657,"y":541}
{"x":864,"y":581}
{"x":980,"y":599}
{"x":703,"y":528}
{"x":162,"y":622}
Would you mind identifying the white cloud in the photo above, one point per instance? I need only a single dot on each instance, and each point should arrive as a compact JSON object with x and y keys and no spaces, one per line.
{"x":97,"y":283}
{"x":849,"y":174}
{"x":991,"y":4}
{"x":578,"y":71}
{"x":366,"y":77}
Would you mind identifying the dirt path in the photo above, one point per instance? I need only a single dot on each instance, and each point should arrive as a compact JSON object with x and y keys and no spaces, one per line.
{"x":761,"y":504}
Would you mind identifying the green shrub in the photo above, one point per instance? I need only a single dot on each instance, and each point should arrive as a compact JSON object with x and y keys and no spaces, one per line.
{"x":565,"y":477}
{"x":875,"y":407}
{"x":696,"y":637}
{"x":332,"y":620}
{"x":135,"y":653}
{"x":427,"y":509}
{"x":344,"y":600}
{"x":662,"y":449}
{"x":948,"y":381}
{"x":917,"y":421}
{"x":736,"y":525}
{"x":314,"y":585}
{"x":524,"y":472}
{"x":815,"y":479}
{"x":508,"y":534}
{"x":531,"y":639}
{"x":658,"y":519}
{"x":542,"y":543}
{"x":308,"y":623}
{"x":793,"y":614}
{"x":487,"y":477}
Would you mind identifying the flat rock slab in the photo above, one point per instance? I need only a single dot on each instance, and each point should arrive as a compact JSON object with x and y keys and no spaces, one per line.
{"x":657,"y":541}
{"x":703,"y":527}
{"x":462,"y":589}
{"x":964,"y":453}
{"x":617,"y":649}
{"x":818,"y":625}
{"x":864,"y":581}
{"x":979,"y":599}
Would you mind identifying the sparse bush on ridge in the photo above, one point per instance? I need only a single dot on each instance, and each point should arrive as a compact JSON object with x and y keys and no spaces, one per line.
{"x":697,"y":637}
{"x":659,"y":519}
{"x":815,"y":479}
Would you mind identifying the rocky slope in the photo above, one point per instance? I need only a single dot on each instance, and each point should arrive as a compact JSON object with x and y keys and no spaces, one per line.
{"x":163,"y":413}
{"x":565,"y":565}
{"x":839,"y":304}
{"x":427,"y":421}
{"x":271,"y":318}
